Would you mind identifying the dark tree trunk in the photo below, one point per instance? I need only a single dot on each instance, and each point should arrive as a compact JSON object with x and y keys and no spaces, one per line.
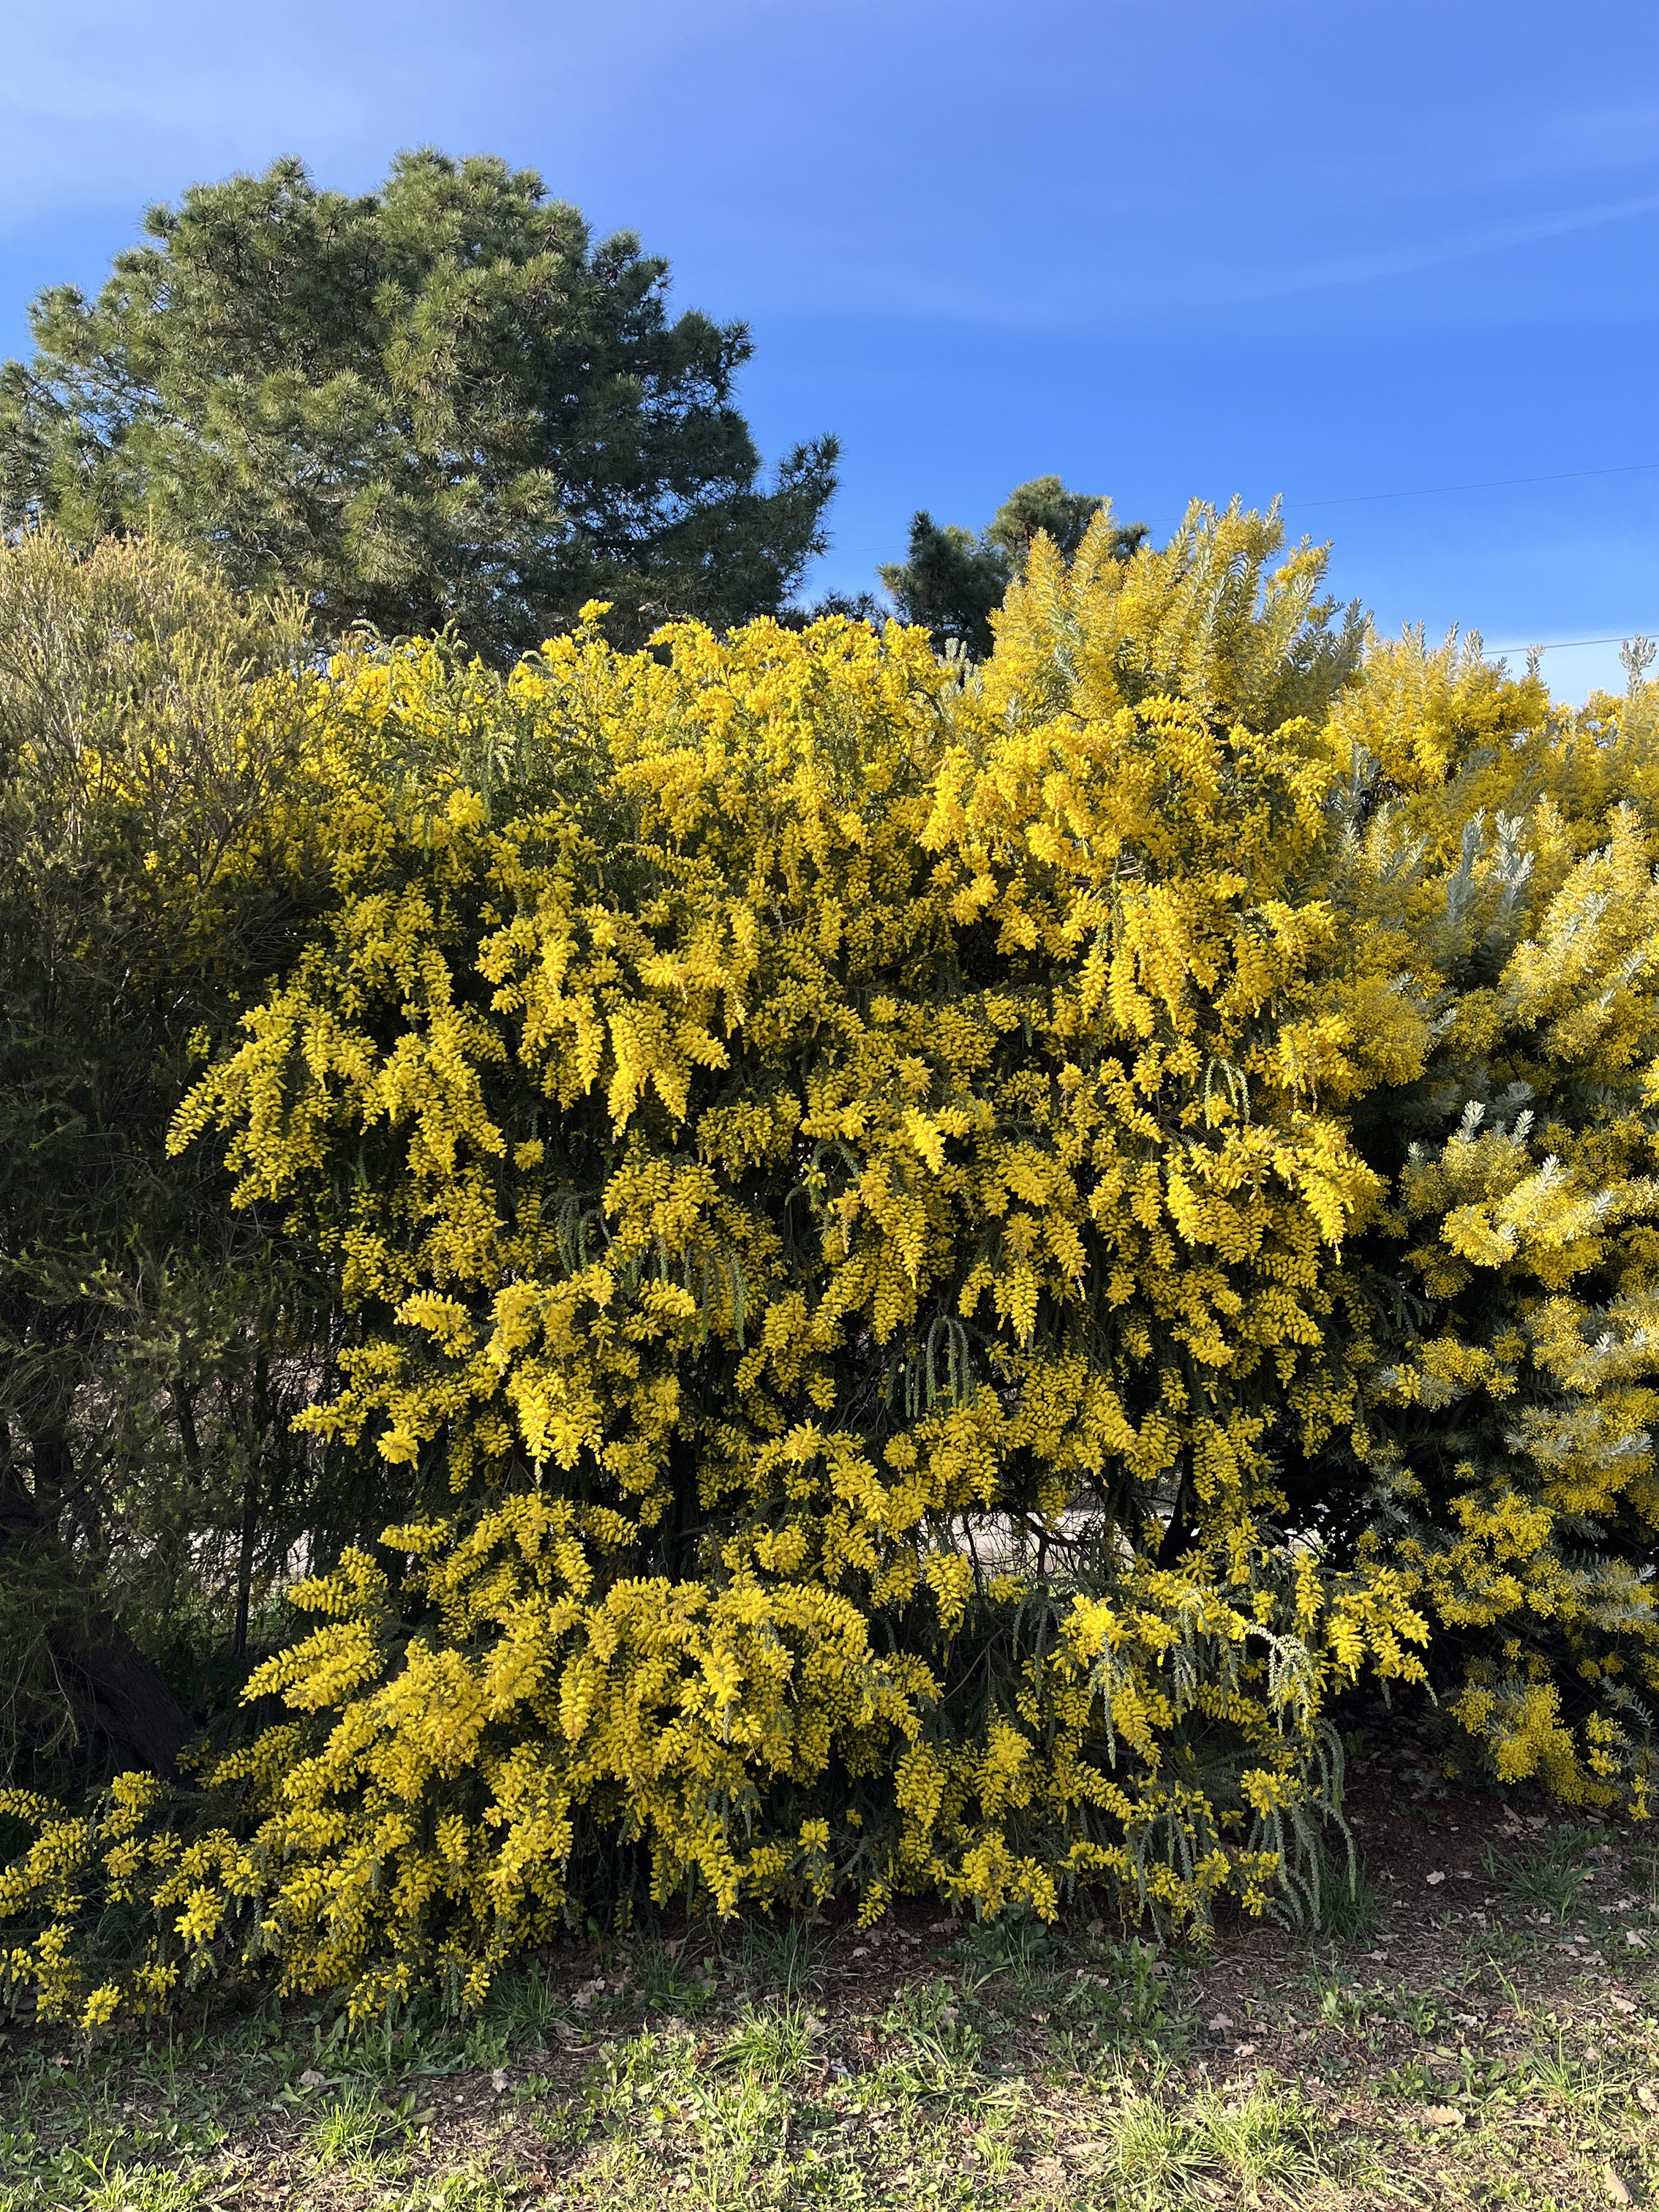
{"x":245,"y":1561}
{"x":122,"y":1700}
{"x":184,"y":1407}
{"x":258,"y":1434}
{"x":1182,"y":1525}
{"x":125,"y":1699}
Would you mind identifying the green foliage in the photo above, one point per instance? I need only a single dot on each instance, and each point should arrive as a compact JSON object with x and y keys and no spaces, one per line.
{"x":437,"y":403}
{"x":1551,"y":1879}
{"x":354,"y":2125}
{"x":1349,"y":1906}
{"x":1264,"y":2142}
{"x":154,"y":1343}
{"x":952,"y":581}
{"x":523,"y":2006}
{"x":774,"y":2041}
{"x":783,"y":1951}
{"x":669,"y":1978}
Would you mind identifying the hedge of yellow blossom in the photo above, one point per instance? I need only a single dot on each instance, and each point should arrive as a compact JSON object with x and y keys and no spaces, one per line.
{"x":941,"y":1257}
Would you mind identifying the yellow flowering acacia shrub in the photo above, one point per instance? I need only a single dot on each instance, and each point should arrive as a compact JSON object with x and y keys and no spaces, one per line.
{"x":940,"y":1259}
{"x":1508,"y":1426}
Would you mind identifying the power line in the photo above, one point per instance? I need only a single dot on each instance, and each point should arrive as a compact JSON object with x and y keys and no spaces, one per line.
{"x":1493,"y":483}
{"x":1559,"y":645}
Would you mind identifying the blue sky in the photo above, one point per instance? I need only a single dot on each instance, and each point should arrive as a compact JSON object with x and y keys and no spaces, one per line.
{"x":1325,"y":248}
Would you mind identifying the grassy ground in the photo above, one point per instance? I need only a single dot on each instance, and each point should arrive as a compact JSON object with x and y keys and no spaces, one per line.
{"x":1478,"y":2026}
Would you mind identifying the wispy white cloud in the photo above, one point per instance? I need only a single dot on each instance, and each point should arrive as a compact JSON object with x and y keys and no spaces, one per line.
{"x":1440,"y":152}
{"x":1411,"y":257}
{"x":101,"y":103}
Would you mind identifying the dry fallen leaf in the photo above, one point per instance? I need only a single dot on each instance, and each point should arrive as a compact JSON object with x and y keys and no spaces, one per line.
{"x":311,"y":2078}
{"x":1613,"y":2184}
{"x":1622,"y":2004}
{"x":1220,"y":2024}
{"x":1434,"y":1878}
{"x":1443,"y":2116}
{"x":1246,"y":2050}
{"x":1647,"y":2097}
{"x":498,"y":2080}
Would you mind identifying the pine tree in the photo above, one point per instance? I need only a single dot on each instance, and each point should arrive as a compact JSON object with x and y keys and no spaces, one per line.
{"x":952,"y":581}
{"x":439,"y":402}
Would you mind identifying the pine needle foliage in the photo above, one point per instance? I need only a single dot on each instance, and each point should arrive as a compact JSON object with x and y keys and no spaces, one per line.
{"x":938,"y":1258}
{"x":441,"y":402}
{"x":952,"y":581}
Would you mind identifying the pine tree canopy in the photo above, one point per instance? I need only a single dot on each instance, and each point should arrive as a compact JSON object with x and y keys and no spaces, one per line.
{"x":952,"y":581}
{"x":441,"y":403}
